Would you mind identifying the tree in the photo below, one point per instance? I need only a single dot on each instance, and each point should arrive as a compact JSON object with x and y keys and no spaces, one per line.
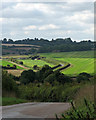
{"x":35,"y":67}
{"x":4,"y":40}
{"x":21,"y":62}
{"x":10,"y":41}
{"x":27,"y":76}
{"x":14,"y":66}
{"x":8,"y":66}
{"x":8,"y":83}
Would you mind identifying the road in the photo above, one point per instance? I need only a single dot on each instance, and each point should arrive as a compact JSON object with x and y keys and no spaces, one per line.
{"x":34,"y":110}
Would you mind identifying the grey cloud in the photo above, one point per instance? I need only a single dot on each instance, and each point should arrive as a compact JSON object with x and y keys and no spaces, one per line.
{"x":59,"y":14}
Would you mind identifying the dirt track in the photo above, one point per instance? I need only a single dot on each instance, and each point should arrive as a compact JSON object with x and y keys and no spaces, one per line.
{"x":34,"y":110}
{"x":18,"y":65}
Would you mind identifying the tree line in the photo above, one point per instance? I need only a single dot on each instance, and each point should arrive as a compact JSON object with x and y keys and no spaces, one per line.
{"x":55,"y":45}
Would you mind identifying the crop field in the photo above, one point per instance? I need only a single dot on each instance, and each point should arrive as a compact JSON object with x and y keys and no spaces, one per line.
{"x":40,"y":63}
{"x":80,"y":61}
{"x":5,"y":63}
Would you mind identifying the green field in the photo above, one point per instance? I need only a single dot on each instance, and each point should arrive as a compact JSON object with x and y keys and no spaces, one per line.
{"x":80,"y":61}
{"x":30,"y":63}
{"x":79,"y":65}
{"x":5,"y":63}
{"x":79,"y":54}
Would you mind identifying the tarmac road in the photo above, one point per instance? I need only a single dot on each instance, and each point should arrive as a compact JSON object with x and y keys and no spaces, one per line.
{"x":34,"y":110}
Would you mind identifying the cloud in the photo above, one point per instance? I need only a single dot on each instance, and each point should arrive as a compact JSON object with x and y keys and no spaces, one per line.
{"x":48,"y":20}
{"x":31,"y":27}
{"x":50,"y":26}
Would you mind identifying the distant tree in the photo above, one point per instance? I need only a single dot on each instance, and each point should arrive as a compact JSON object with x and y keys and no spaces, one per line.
{"x":8,"y":66}
{"x":21,"y":62}
{"x":10,"y":41}
{"x":82,"y":77}
{"x":14,"y":66}
{"x":4,"y":40}
{"x":85,"y":74}
{"x":35,"y":67}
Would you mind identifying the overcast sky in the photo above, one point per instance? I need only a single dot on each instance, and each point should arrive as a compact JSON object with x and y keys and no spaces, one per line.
{"x":47,"y":20}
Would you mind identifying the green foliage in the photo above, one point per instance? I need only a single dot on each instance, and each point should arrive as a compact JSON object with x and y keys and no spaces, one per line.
{"x":30,"y":63}
{"x":5,"y":63}
{"x":11,"y":101}
{"x":57,"y":76}
{"x":27,"y":76}
{"x":47,"y":93}
{"x":57,"y":45}
{"x":83,"y":77}
{"x":87,"y":112}
{"x":8,"y":84}
{"x":80,"y":61}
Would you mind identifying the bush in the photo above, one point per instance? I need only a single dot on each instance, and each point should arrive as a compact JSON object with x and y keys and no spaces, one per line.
{"x":85,"y":74}
{"x":82,"y":78}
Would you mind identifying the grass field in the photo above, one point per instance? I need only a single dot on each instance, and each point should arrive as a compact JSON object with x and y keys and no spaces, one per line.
{"x":31,"y":63}
{"x":5,"y":63}
{"x":79,"y":54}
{"x":80,"y":61}
{"x":79,"y":65}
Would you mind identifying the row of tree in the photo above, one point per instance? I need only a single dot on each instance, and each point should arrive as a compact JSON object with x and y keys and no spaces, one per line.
{"x":57,"y":45}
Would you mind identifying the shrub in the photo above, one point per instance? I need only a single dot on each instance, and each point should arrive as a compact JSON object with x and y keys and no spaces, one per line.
{"x":88,"y":112}
{"x":82,"y":78}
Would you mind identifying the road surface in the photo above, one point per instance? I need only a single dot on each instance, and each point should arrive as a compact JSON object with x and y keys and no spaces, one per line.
{"x":34,"y":110}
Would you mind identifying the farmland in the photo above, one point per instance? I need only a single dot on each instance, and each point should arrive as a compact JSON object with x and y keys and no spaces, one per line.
{"x":5,"y":63}
{"x":31,"y":63}
{"x":79,"y":65}
{"x":80,"y":61}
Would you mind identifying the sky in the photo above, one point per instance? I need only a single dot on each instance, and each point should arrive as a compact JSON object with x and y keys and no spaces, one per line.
{"x":47,"y":20}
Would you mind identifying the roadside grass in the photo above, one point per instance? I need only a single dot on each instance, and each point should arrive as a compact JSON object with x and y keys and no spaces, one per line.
{"x":87,"y":92}
{"x":5,"y":63}
{"x":12,"y":100}
{"x":82,"y":104}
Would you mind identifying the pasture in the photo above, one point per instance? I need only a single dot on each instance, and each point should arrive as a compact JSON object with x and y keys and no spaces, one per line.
{"x":77,"y":54}
{"x":78,"y":65}
{"x":81,"y":61}
{"x":5,"y":63}
{"x":30,"y":63}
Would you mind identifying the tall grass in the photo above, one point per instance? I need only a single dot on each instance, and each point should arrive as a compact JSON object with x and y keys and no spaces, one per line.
{"x":88,"y":112}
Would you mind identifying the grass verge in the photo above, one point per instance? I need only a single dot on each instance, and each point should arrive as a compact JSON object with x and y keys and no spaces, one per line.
{"x":12,"y":100}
